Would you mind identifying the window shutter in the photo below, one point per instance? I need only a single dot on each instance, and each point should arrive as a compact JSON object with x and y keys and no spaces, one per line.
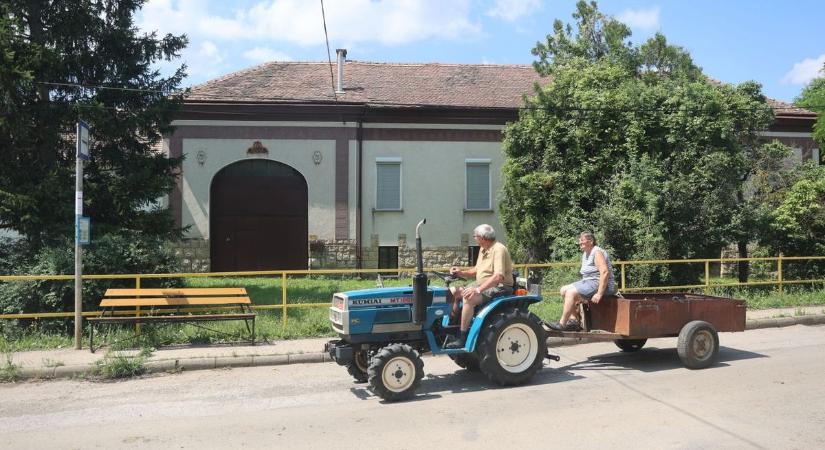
{"x":478,"y":186}
{"x":388,"y":190}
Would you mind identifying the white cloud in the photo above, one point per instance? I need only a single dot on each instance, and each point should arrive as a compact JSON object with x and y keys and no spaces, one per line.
{"x":647,"y":19}
{"x":300,"y":22}
{"x":263,"y":54}
{"x":511,"y":10}
{"x":805,"y":71}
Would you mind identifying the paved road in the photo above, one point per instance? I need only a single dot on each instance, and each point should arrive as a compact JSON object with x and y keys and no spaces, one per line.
{"x":766,"y":392}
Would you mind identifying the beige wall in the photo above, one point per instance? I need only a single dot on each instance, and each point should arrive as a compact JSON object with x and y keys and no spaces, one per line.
{"x":433,"y":180}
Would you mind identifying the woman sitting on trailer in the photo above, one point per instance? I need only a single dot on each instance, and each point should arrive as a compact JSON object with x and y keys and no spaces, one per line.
{"x":596,"y":283}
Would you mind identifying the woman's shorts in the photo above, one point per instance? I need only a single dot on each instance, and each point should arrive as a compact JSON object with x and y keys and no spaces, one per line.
{"x":587,"y":288}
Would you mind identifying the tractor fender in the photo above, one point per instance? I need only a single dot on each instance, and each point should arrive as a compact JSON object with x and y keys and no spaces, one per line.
{"x":487,"y":310}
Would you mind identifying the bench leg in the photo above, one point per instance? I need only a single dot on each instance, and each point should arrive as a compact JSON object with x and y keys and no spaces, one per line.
{"x":253,"y":330}
{"x":92,"y":337}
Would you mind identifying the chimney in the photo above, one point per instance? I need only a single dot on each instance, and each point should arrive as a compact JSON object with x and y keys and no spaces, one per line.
{"x":342,"y":54}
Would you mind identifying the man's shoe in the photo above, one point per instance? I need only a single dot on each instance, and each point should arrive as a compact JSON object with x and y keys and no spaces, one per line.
{"x":458,"y":342}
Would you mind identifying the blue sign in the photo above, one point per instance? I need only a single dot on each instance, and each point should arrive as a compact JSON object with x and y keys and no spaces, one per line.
{"x":83,"y":230}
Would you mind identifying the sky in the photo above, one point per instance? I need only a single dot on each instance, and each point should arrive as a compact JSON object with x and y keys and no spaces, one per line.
{"x":773,"y":42}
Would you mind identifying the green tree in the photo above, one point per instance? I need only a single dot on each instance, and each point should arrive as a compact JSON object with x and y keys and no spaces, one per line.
{"x":632,"y":141}
{"x":812,"y":97}
{"x":83,"y":59}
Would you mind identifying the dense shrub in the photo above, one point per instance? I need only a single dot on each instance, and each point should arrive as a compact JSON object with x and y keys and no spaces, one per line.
{"x":126,"y":253}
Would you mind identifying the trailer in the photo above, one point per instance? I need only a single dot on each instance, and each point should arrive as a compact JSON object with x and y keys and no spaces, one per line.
{"x":629,"y":320}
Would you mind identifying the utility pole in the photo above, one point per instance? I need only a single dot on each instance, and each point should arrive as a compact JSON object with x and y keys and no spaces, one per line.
{"x":82,"y":155}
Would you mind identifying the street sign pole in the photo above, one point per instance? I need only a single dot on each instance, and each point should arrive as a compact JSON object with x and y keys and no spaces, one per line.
{"x":82,"y":154}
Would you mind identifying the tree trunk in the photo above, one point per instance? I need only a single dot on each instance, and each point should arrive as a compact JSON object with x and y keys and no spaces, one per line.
{"x":744,"y":266}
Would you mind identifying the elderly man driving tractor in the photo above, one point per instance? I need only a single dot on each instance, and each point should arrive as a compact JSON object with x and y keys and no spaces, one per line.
{"x":494,"y":277}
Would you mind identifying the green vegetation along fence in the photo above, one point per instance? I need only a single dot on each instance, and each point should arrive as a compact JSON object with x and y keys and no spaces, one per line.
{"x":282,"y":290}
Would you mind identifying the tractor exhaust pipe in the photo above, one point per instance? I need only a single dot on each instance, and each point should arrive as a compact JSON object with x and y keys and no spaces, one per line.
{"x":420,"y":294}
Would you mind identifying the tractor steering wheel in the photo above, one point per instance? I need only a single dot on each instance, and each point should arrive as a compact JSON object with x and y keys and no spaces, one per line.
{"x":448,"y":277}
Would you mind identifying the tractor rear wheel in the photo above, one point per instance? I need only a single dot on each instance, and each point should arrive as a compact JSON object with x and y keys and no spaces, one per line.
{"x":395,"y":372}
{"x":512,"y":347}
{"x":358,"y":366}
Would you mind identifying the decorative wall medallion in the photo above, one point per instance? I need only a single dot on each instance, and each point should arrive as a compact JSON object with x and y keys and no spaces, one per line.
{"x":257,"y":149}
{"x":317,"y":157}
{"x":200,"y":156}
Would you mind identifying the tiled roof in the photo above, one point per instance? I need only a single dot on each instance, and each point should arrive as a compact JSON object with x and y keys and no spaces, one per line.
{"x":456,"y":85}
{"x":390,"y":84}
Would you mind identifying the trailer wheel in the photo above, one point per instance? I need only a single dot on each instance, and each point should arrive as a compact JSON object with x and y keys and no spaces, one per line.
{"x":358,"y":366}
{"x":512,"y":348}
{"x":468,"y":361}
{"x":395,"y":372}
{"x":630,"y":345}
{"x":698,"y":345}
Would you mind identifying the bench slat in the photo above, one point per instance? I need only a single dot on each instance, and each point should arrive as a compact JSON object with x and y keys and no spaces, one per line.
{"x":179,"y":318}
{"x":174,"y":292}
{"x":174,"y":301}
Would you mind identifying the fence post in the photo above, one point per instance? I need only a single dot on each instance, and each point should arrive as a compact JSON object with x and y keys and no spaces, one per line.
{"x":283,"y":297}
{"x":707,"y":276}
{"x":621,"y":264}
{"x":779,"y":273}
{"x":137,"y":308}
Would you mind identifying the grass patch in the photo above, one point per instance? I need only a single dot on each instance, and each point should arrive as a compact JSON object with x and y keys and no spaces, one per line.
{"x":9,"y":372}
{"x":114,"y":366}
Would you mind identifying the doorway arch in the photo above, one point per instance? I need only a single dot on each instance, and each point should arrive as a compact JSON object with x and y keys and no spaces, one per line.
{"x":258,"y":217}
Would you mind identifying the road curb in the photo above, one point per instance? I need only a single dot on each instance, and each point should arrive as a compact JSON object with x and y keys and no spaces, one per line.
{"x":202,"y":363}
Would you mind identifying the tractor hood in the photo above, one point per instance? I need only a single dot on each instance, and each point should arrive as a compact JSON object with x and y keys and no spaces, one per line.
{"x":386,"y":296}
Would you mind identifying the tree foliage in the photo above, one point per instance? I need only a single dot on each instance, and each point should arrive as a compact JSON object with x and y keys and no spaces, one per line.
{"x":83,"y":59}
{"x":812,"y":97}
{"x":632,"y":141}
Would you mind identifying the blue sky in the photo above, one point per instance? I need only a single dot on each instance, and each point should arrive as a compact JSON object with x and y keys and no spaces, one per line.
{"x":772,"y":42}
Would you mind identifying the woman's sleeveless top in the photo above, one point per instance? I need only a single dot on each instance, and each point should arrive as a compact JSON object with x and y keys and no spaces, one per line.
{"x":589,"y":271}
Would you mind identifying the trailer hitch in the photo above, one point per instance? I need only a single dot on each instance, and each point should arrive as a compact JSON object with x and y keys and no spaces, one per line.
{"x":548,"y":355}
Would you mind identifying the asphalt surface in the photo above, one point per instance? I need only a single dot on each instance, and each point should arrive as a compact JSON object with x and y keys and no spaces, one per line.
{"x":70,"y":363}
{"x":764,"y":392}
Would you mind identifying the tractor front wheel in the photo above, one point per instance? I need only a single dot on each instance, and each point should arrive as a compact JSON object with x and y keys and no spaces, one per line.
{"x":395,"y":372}
{"x":358,"y":366}
{"x":512,"y":347}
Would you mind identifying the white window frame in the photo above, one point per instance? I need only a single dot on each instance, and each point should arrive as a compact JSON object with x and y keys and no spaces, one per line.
{"x":390,"y":161}
{"x":479,"y":162}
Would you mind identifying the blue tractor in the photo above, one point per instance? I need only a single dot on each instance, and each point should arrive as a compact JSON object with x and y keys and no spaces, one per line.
{"x":383,"y":332}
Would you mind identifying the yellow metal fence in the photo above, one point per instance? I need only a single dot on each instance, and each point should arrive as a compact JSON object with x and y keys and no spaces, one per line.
{"x":775,"y":277}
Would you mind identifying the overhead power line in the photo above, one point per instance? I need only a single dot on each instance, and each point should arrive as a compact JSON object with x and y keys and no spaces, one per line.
{"x":329,"y":56}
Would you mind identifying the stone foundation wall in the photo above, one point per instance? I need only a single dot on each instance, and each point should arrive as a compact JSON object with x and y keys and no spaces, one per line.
{"x":332,"y":254}
{"x":193,"y":255}
{"x":337,"y":254}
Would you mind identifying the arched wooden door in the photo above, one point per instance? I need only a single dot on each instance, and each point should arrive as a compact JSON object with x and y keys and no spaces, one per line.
{"x":258,"y":217}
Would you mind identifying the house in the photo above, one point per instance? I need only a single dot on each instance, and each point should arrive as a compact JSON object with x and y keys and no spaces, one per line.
{"x":290,"y":165}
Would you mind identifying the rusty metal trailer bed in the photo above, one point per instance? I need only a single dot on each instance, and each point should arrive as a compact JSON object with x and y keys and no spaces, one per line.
{"x":629,"y":320}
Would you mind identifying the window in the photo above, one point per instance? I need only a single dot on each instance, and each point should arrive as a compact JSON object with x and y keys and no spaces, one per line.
{"x":478,"y":184}
{"x":387,"y":257}
{"x":388,"y":184}
{"x":472,"y":254}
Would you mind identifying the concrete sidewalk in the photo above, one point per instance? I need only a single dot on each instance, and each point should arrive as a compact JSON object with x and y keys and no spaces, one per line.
{"x":63,"y":363}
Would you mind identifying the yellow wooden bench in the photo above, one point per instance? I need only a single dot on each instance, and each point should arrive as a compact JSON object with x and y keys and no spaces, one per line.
{"x":173,"y":305}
